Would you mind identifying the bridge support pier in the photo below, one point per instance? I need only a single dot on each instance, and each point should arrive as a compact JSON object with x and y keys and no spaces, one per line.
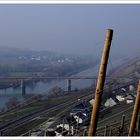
{"x":23,"y":88}
{"x":69,"y":85}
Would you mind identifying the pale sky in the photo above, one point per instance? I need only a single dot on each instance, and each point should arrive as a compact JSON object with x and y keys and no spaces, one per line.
{"x":74,"y":28}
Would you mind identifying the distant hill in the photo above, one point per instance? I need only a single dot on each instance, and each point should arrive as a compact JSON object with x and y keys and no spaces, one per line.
{"x":11,"y":56}
{"x":14,"y":52}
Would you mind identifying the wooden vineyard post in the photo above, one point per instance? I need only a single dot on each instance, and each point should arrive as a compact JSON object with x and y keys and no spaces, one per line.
{"x":135,"y":113}
{"x":110,"y":133}
{"x":122,"y":125}
{"x":105,"y":132}
{"x":100,"y":84}
{"x":138,"y":126}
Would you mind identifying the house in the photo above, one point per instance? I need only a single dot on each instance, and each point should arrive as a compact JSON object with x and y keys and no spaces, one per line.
{"x":131,"y":88}
{"x":110,"y":102}
{"x":91,"y":101}
{"x":81,"y":117}
{"x":123,"y":89}
{"x":82,"y":107}
{"x":120,"y":98}
{"x":66,"y":126}
{"x":60,"y":131}
{"x":129,"y":99}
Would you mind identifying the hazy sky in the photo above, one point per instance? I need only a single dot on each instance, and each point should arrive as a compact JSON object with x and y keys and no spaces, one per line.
{"x":70,"y":28}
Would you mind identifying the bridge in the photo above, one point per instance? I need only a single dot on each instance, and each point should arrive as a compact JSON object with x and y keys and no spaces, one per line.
{"x":49,"y":77}
{"x":59,"y":77}
{"x":23,"y":80}
{"x":68,"y":78}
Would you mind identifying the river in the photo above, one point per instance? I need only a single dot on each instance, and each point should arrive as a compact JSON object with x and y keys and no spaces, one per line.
{"x":44,"y":87}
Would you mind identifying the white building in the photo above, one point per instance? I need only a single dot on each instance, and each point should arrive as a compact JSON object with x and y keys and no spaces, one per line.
{"x":131,"y":88}
{"x":66,"y":126}
{"x":91,"y":101}
{"x":129,"y":99}
{"x":120,"y":98}
{"x":110,"y":102}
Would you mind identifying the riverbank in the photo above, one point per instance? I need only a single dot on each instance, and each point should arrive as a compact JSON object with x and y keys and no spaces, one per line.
{"x":43,"y":87}
{"x":13,"y":79}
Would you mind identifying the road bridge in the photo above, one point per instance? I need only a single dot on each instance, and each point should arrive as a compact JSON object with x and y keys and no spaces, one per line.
{"x":22,"y":80}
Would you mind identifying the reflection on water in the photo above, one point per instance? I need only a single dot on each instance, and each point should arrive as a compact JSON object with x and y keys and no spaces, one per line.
{"x":43,"y":87}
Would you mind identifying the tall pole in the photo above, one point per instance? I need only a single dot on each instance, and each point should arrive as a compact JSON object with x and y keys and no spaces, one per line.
{"x":105,"y":132}
{"x":100,"y":83}
{"x":110,"y":133}
{"x":122,"y":125}
{"x":138,"y":126}
{"x":135,"y":113}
